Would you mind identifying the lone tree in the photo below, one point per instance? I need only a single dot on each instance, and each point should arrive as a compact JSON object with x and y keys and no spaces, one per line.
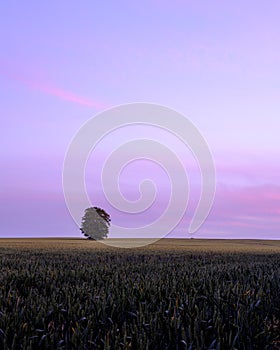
{"x":95,"y":223}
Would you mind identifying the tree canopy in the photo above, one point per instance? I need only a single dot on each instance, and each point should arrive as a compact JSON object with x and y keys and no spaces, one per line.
{"x":95,"y":223}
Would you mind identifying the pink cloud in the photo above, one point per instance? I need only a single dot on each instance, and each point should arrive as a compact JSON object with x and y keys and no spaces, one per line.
{"x":53,"y":90}
{"x":263,"y":199}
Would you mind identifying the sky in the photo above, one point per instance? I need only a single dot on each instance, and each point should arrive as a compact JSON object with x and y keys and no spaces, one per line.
{"x":216,"y":62}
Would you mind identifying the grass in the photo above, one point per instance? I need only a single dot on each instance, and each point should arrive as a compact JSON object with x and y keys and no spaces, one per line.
{"x":173,"y":294}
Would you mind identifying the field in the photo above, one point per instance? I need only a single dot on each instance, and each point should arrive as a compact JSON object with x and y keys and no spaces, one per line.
{"x":174,"y":294}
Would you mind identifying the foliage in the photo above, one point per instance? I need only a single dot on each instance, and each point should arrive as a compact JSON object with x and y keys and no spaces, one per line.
{"x":95,"y":223}
{"x":138,"y":299}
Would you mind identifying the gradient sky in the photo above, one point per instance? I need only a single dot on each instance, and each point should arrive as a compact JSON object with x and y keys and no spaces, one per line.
{"x":217,"y":62}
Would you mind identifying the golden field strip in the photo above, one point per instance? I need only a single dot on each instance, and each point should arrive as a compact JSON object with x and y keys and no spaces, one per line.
{"x":188,"y":245}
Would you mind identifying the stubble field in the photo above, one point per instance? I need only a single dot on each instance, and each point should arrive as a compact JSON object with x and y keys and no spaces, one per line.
{"x":174,"y":294}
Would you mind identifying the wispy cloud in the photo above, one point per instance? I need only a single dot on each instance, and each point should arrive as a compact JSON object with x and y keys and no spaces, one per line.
{"x":53,"y":90}
{"x":252,"y":201}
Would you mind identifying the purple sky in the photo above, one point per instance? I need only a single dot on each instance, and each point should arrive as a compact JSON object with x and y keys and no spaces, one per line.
{"x":217,"y":62}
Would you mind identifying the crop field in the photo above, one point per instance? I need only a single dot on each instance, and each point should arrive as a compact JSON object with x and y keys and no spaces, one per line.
{"x":173,"y":294}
